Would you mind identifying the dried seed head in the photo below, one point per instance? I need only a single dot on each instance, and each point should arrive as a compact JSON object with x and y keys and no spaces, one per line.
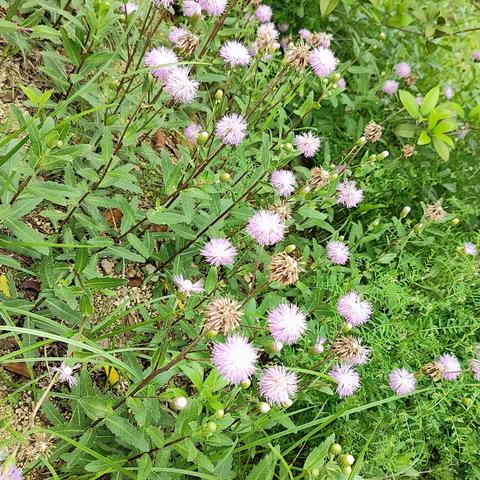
{"x":410,"y":80}
{"x":434,"y":370}
{"x":435,"y":212}
{"x":223,"y":314}
{"x":282,"y":209}
{"x":284,"y":269}
{"x":350,"y":350}
{"x":187,"y":43}
{"x":297,"y":56}
{"x":372,"y":132}
{"x":408,"y":150}
{"x":319,"y":177}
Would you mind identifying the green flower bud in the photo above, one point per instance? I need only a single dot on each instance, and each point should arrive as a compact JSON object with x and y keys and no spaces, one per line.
{"x":347,"y":470}
{"x":59,"y":143}
{"x":211,"y":334}
{"x":454,"y":222}
{"x":219,"y":95}
{"x":383,"y":155}
{"x":336,"y":449}
{"x":246,"y":384}
{"x":334,"y":176}
{"x":347,"y":327}
{"x":372,"y":157}
{"x":212,"y":427}
{"x":179,"y":403}
{"x":361,"y":141}
{"x":290,"y":248}
{"x":263,"y":407}
{"x":468,"y":402}
{"x":225,"y":177}
{"x":220,"y":413}
{"x":314,"y":472}
{"x":383,"y":35}
{"x":306,"y":189}
{"x":418,"y":227}
{"x":287,"y":404}
{"x":406,"y":210}
{"x":336,"y":77}
{"x":203,"y":138}
{"x":289,"y":147}
{"x":375,"y":223}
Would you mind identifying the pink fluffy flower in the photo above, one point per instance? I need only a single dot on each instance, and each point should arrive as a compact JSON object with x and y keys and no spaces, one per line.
{"x":402,"y":70}
{"x":213,"y":7}
{"x":192,"y":131}
{"x":191,"y":8}
{"x":323,"y":61}
{"x":129,"y":7}
{"x":305,"y":34}
{"x":390,"y":87}
{"x":287,"y":323}
{"x":231,"y":129}
{"x":324,"y":39}
{"x":283,"y":181}
{"x":180,"y":87}
{"x":164,"y":3}
{"x":235,"y":53}
{"x":65,"y":373}
{"x":348,"y":194}
{"x":219,"y":251}
{"x":476,"y":55}
{"x":187,"y":286}
{"x":283,"y":27}
{"x":470,"y":249}
{"x":307,"y":144}
{"x":402,"y":381}
{"x":278,"y":385}
{"x":12,"y":472}
{"x":448,"y":92}
{"x":175,"y":33}
{"x":354,"y":309}
{"x":475,"y":367}
{"x":347,"y":379}
{"x":266,"y":228}
{"x":450,"y":366}
{"x":341,"y":83}
{"x":337,"y":252}
{"x":235,"y":359}
{"x":263,"y":13}
{"x":162,"y":60}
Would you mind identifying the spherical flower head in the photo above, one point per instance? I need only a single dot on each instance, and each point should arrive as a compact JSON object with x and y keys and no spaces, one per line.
{"x":191,"y":8}
{"x":283,"y":181}
{"x":323,"y":62}
{"x":448,"y":92}
{"x":348,"y":194}
{"x":223,"y":314}
{"x":347,"y":379}
{"x":180,"y":87}
{"x":402,"y":381}
{"x":192,"y":131}
{"x":129,"y":7}
{"x":231,"y":129}
{"x":354,"y":309}
{"x":476,"y":55}
{"x":323,"y":39}
{"x":475,"y":366}
{"x":402,"y":70}
{"x":65,"y":374}
{"x":164,"y":3}
{"x":305,"y":34}
{"x":235,"y":359}
{"x":390,"y":87}
{"x":263,"y":13}
{"x":337,"y":252}
{"x":350,"y":350}
{"x":235,"y":53}
{"x":187,"y":286}
{"x":341,"y":83}
{"x":319,"y":345}
{"x":266,"y":228}
{"x":219,"y":251}
{"x":162,"y":60}
{"x":470,"y":249}
{"x":450,"y":365}
{"x":283,"y":27}
{"x":175,"y":33}
{"x":213,"y":7}
{"x":287,"y":323}
{"x":284,"y":269}
{"x":278,"y":385}
{"x":307,"y":144}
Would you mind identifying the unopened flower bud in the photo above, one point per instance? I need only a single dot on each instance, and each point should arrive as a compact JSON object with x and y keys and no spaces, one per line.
{"x":179,"y":403}
{"x":225,"y":177}
{"x":317,"y":349}
{"x":220,"y":413}
{"x":219,"y":95}
{"x":202,"y":138}
{"x":347,"y":470}
{"x":375,"y":223}
{"x":383,"y":35}
{"x":334,"y":176}
{"x":341,"y":238}
{"x":290,"y":248}
{"x":455,"y":221}
{"x":306,"y":189}
{"x":288,"y":403}
{"x":405,"y":211}
{"x":246,"y":384}
{"x":314,"y":472}
{"x":418,"y":227}
{"x":468,"y":402}
{"x":212,"y":427}
{"x":289,"y":147}
{"x":361,"y":141}
{"x":372,"y":157}
{"x":324,"y":81}
{"x":276,"y":346}
{"x":347,"y":327}
{"x":349,"y":459}
{"x":212,"y":334}
{"x":59,"y":143}
{"x":104,"y":8}
{"x":263,"y":407}
{"x":383,"y":155}
{"x":346,"y":460}
{"x":336,"y":449}
{"x":382,"y":74}
{"x":336,"y":77}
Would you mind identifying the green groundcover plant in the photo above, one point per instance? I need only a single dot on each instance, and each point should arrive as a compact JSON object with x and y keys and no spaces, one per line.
{"x":239,"y":240}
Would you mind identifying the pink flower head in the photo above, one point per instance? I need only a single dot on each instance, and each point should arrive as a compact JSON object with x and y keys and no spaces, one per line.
{"x":450,"y":366}
{"x":354,"y":309}
{"x":267,"y":32}
{"x":348,"y":194}
{"x":266,"y":228}
{"x":470,"y":249}
{"x":235,"y":359}
{"x":323,"y":61}
{"x":12,"y":472}
{"x":287,"y":323}
{"x":283,"y":27}
{"x":305,"y":34}
{"x":191,"y":8}
{"x":213,"y":7}
{"x":402,"y":70}
{"x":263,"y":13}
{"x":192,"y":131}
{"x":324,"y":39}
{"x":283,"y":181}
{"x":476,"y":55}
{"x":341,"y":83}
{"x":318,"y":347}
{"x":277,"y":384}
{"x":65,"y":373}
{"x":307,"y":144}
{"x":162,"y":60}
{"x":390,"y":87}
{"x":448,"y":92}
{"x":348,"y":380}
{"x":231,"y":129}
{"x":337,"y":252}
{"x":402,"y":381}
{"x":180,"y":87}
{"x":175,"y":33}
{"x":475,"y":366}
{"x":187,"y":286}
{"x":419,"y":100}
{"x":219,"y":251}
{"x":235,"y":53}
{"x":164,"y":3}
{"x":130,"y":7}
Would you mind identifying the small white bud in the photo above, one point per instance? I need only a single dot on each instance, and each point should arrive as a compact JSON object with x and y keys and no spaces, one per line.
{"x":180,"y":403}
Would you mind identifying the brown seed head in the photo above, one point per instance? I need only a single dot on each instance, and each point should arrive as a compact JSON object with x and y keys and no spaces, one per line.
{"x":350,"y":350}
{"x":223,"y":314}
{"x":284,"y":269}
{"x":372,"y":132}
{"x":319,"y":177}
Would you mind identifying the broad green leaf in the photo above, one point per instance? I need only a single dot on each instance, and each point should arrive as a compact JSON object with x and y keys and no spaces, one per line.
{"x":327,"y":7}
{"x":410,"y":103}
{"x":144,"y":467}
{"x":316,"y":458}
{"x":424,"y":138}
{"x":445,"y":126}
{"x":441,"y":148}
{"x":105,"y":282}
{"x":264,"y":469}
{"x":430,"y":101}
{"x":127,"y":433}
{"x":96,"y":407}
{"x":405,"y":130}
